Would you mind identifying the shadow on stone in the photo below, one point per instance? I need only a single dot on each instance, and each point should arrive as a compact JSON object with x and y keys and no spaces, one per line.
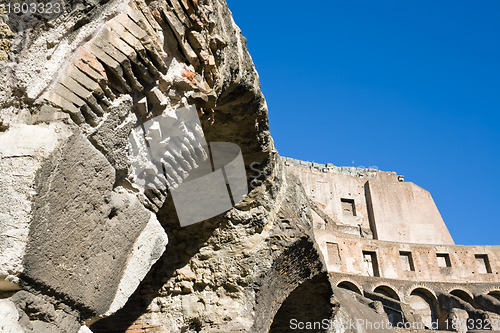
{"x":183,"y":244}
{"x":309,"y":302}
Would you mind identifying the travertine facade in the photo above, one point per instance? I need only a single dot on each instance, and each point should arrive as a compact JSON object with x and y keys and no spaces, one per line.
{"x":376,"y":204}
{"x":88,"y":244}
{"x":385,"y":239}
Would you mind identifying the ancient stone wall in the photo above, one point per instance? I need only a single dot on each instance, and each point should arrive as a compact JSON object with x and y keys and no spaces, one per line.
{"x":82,"y":236}
{"x":414,"y":262}
{"x":376,"y":204}
{"x":90,"y":238}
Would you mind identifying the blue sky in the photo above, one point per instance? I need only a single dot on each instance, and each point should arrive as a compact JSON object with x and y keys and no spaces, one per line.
{"x":407,"y":86}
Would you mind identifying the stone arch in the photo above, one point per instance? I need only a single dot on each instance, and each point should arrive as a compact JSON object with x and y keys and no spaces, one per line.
{"x":425,"y":306}
{"x":299,"y":274}
{"x":463,"y":294}
{"x":349,"y":285}
{"x":392,"y":306}
{"x":308,"y":303}
{"x":495,"y":294}
{"x":409,"y":289}
{"x":387,"y":291}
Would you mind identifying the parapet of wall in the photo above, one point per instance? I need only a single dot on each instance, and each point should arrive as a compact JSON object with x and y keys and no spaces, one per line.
{"x":348,"y":171}
{"x":378,"y":203}
{"x":403,"y":261}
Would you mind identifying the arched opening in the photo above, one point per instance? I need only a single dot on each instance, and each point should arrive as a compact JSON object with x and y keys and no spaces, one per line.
{"x":308,"y":303}
{"x":387,"y":291}
{"x":349,"y":286}
{"x":392,"y":309}
{"x":463,"y":295}
{"x":495,"y":294}
{"x":298,"y":270}
{"x":423,"y":302}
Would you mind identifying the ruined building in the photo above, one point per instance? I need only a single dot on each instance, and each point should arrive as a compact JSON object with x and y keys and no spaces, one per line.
{"x":109,"y":109}
{"x":383,"y":238}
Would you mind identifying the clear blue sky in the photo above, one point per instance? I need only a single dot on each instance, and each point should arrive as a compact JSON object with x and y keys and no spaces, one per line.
{"x":407,"y":86}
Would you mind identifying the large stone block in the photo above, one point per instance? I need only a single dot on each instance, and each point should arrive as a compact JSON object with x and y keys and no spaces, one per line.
{"x":87,"y":240}
{"x":9,"y":317}
{"x":23,"y":149}
{"x":406,"y":212}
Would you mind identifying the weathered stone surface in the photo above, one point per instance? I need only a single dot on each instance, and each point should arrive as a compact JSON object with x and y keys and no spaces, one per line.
{"x":211,"y":275}
{"x":91,"y":238}
{"x":38,"y":314}
{"x":82,"y":236}
{"x":112,"y":137}
{"x":10,"y":317}
{"x":459,"y":317}
{"x":75,"y":206}
{"x":23,"y":150}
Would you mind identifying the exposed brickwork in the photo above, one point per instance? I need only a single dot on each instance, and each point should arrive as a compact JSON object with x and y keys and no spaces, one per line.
{"x":127,"y":57}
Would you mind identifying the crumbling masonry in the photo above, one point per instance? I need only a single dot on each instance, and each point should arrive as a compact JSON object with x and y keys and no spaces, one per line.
{"x":84,"y":248}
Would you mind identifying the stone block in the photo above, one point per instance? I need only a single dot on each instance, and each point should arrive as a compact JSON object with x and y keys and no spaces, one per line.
{"x":49,"y":114}
{"x":75,"y":113}
{"x":180,"y":33}
{"x":83,"y":93}
{"x":23,"y":148}
{"x":96,"y":70}
{"x":88,"y":115}
{"x":10,"y":317}
{"x":86,"y":81}
{"x":122,"y":46}
{"x":101,"y":241}
{"x":135,"y":44}
{"x":70,"y":95}
{"x":197,"y":40}
{"x":103,"y":41}
{"x":146,"y":41}
{"x":179,"y":11}
{"x":141,"y":9}
{"x":141,"y":107}
{"x":131,"y":26}
{"x":121,"y":85}
{"x":138,"y":17}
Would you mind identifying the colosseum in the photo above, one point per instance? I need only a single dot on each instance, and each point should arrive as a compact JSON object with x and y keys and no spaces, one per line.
{"x":141,"y":191}
{"x":384,"y":239}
